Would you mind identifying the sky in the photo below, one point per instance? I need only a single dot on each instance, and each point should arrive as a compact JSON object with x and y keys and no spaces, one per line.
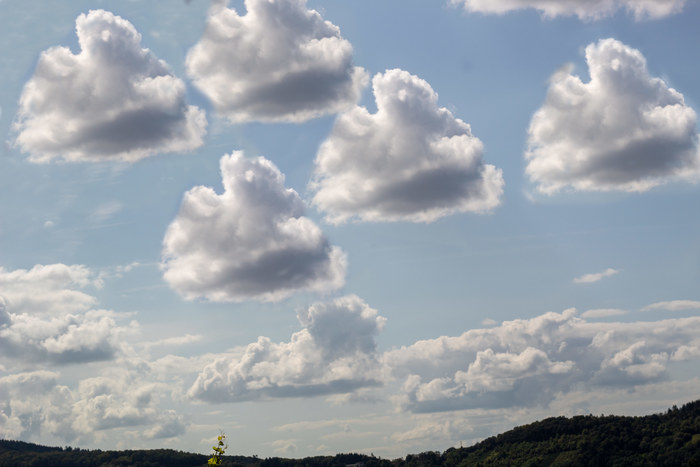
{"x":364,"y":226}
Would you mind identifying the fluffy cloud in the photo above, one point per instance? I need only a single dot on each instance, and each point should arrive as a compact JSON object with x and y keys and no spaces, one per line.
{"x":525,"y":363}
{"x":279,"y":62}
{"x":595,"y":277}
{"x":251,"y":242}
{"x":410,"y":161}
{"x":43,"y":318}
{"x":334,"y":353}
{"x":37,"y":403}
{"x":112,"y":101}
{"x":585,"y":10}
{"x":47,"y":288}
{"x":623,"y":130}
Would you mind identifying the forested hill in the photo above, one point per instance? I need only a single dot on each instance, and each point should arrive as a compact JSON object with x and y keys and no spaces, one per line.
{"x":671,"y":438}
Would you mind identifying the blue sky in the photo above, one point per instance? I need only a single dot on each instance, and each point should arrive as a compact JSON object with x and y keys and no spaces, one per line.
{"x":358,"y":226}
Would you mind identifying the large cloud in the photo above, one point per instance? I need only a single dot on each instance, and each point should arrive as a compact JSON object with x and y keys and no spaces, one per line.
{"x":525,"y":363}
{"x":584,"y":9}
{"x":623,"y":130}
{"x":279,"y":62}
{"x":250,"y":242}
{"x":334,"y":353}
{"x":43,"y":318}
{"x":38,"y":403}
{"x":112,"y":101}
{"x":410,"y":161}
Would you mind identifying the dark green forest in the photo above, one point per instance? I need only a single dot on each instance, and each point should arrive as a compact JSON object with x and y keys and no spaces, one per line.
{"x":664,"y":439}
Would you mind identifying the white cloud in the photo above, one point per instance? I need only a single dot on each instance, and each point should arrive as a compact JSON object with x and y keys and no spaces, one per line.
{"x":595,"y":277}
{"x":410,"y":161}
{"x":47,"y":289}
{"x":585,"y":10}
{"x":43,"y":318}
{"x":113,"y":100}
{"x":674,"y":305}
{"x":334,"y":353}
{"x":250,"y":242}
{"x":602,"y":313}
{"x":623,"y":130}
{"x":526,"y":363}
{"x":278,"y":62}
{"x":37,"y":403}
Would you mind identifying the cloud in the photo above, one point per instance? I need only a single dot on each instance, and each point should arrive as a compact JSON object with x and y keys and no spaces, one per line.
{"x":674,"y":305}
{"x":623,"y":130}
{"x":47,"y":289}
{"x":278,"y":62}
{"x":527,"y":363}
{"x":113,"y":100}
{"x":602,"y":313}
{"x":410,"y":161}
{"x":585,"y":10}
{"x":334,"y":353}
{"x":44,"y":319}
{"x":37,"y":403}
{"x":250,"y":242}
{"x":595,"y":277}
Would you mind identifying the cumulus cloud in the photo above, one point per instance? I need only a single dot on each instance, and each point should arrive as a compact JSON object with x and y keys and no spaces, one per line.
{"x":595,"y":277}
{"x":114,"y":100}
{"x":526,"y":363}
{"x":585,"y":10}
{"x":278,"y":62}
{"x":43,"y":318}
{"x":250,"y":242}
{"x":674,"y":305}
{"x":37,"y":403}
{"x":623,"y":130}
{"x":410,"y":161}
{"x":334,"y":353}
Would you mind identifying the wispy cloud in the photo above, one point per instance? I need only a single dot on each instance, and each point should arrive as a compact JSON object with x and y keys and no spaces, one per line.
{"x":674,"y":305}
{"x":595,"y":277}
{"x":603,"y":313}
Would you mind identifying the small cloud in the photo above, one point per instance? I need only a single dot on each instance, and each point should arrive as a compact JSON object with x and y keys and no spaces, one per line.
{"x":603,"y":313}
{"x":489,"y":322}
{"x":589,"y":278}
{"x":674,"y":305}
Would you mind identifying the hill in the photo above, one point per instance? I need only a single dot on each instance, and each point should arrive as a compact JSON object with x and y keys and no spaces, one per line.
{"x":670,"y":439}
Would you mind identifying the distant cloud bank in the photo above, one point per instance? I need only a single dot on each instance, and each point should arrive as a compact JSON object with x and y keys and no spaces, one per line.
{"x":278,"y":62}
{"x":623,"y":130}
{"x":114,"y":100}
{"x":528,"y":362}
{"x":585,"y":10}
{"x":410,"y":161}
{"x":250,"y":242}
